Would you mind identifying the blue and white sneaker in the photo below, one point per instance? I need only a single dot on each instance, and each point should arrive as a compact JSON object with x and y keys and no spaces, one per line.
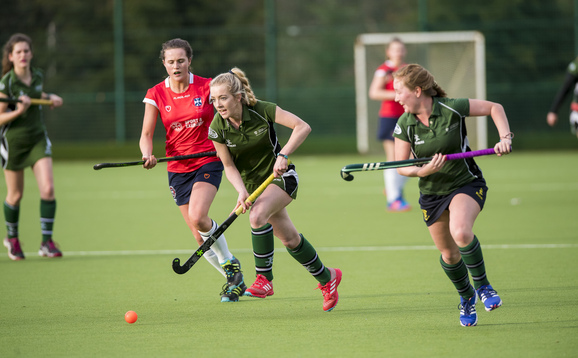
{"x":468,"y":315}
{"x":489,"y":297}
{"x":235,"y":285}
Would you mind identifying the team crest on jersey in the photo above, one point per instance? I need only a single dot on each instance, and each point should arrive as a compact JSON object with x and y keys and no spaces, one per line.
{"x":198,"y":101}
{"x":168,"y":108}
{"x":212,"y":133}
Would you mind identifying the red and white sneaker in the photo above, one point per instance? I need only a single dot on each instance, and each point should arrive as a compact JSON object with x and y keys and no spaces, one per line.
{"x":329,"y":290}
{"x":261,"y":288}
{"x":14,"y":250}
{"x":49,"y":249}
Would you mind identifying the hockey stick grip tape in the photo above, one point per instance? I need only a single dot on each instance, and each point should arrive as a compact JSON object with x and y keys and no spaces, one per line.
{"x":258,"y":191}
{"x":475,"y":153}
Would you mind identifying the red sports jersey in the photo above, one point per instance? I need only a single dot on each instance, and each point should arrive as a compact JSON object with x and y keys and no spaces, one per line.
{"x":186,"y":117}
{"x":390,"y":109}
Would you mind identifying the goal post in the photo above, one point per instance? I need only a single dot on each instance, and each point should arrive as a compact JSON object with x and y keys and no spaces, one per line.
{"x":456,"y":59}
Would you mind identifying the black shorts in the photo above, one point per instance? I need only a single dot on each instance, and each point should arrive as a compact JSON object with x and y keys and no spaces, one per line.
{"x":386,"y":127}
{"x":181,"y":184}
{"x":433,"y":206}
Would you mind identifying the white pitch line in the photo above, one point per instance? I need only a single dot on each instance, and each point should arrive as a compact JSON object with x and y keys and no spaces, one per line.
{"x":321,"y":249}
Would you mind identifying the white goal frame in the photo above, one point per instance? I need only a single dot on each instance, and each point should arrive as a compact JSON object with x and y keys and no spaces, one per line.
{"x":361,"y":83}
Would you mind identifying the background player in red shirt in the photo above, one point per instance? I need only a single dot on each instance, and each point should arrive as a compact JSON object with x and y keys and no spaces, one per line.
{"x":381,"y":89}
{"x":182,"y":101}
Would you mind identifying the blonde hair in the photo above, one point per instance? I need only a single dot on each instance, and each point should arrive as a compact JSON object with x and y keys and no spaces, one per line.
{"x":414,"y":75}
{"x":9,"y":47}
{"x":237,"y":83}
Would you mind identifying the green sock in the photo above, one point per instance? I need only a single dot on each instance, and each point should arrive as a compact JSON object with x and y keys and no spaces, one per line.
{"x":11,"y":215}
{"x":47,"y":213}
{"x":474,"y":259}
{"x":458,"y":274}
{"x":263,"y":250}
{"x":306,"y":255}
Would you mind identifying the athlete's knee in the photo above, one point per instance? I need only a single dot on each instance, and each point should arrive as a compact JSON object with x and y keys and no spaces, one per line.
{"x":451,"y":257}
{"x":47,"y":193}
{"x":257,"y":218}
{"x":463,"y":236}
{"x":200,"y":221}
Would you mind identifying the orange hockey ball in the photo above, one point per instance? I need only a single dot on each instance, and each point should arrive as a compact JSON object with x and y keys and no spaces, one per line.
{"x":130,"y":317}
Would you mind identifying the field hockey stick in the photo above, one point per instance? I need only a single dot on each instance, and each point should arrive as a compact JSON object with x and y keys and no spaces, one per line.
{"x":219,"y":231}
{"x":160,"y":160}
{"x":346,"y":170}
{"x":33,"y":101}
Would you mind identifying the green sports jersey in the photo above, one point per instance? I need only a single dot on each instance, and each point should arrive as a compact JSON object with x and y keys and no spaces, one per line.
{"x":29,"y":125}
{"x":446,"y":134}
{"x":254,"y":146}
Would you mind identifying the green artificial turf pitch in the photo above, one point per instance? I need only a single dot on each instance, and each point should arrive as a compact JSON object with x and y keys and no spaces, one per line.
{"x":119,"y":230}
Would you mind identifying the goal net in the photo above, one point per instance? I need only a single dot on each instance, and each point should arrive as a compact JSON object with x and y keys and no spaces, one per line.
{"x":456,"y":59}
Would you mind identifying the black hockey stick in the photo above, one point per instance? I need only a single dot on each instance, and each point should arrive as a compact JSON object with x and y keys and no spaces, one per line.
{"x":168,"y":159}
{"x":362,"y":167}
{"x":220,"y":230}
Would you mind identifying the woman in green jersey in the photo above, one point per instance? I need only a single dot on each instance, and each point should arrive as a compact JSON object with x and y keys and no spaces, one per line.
{"x":24,"y":143}
{"x":246,"y":142}
{"x":453,"y":193}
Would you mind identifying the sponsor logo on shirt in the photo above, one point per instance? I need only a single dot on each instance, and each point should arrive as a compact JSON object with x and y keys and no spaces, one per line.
{"x":183,"y":96}
{"x":417,"y":141}
{"x":397,"y":129}
{"x":192,"y":123}
{"x":229,"y":143}
{"x":452,"y":127}
{"x":177,"y":126}
{"x":260,"y":131}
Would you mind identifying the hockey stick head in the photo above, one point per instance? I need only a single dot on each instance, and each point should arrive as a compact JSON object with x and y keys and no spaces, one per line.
{"x":346,"y":176}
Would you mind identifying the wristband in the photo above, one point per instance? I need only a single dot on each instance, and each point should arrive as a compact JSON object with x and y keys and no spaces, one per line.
{"x":282,"y":155}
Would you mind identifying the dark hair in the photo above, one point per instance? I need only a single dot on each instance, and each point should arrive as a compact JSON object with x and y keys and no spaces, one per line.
{"x":414,"y":75}
{"x":237,"y":82}
{"x":176,"y":43}
{"x":9,"y":47}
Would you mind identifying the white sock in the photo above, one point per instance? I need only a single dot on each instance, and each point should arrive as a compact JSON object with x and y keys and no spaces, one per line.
{"x":219,"y":246}
{"x":213,"y":260}
{"x":394,"y":183}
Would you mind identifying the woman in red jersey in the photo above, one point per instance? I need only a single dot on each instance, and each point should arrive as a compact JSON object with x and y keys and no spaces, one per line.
{"x":182,"y":102}
{"x":381,"y":89}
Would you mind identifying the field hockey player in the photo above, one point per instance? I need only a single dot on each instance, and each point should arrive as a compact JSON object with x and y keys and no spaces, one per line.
{"x":245,"y":139}
{"x":182,"y":101}
{"x":452,"y":193}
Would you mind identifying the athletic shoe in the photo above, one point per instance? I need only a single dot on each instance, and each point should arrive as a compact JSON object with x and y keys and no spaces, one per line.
{"x":329,"y":290}
{"x":235,"y":285}
{"x":49,"y":249}
{"x":261,"y":288}
{"x":398,"y":206}
{"x":14,"y":250}
{"x":468,"y":316}
{"x":489,"y":297}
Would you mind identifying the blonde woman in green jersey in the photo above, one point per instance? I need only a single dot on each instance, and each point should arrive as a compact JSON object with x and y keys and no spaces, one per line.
{"x":24,"y":143}
{"x":452,"y":193}
{"x":247,"y":144}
